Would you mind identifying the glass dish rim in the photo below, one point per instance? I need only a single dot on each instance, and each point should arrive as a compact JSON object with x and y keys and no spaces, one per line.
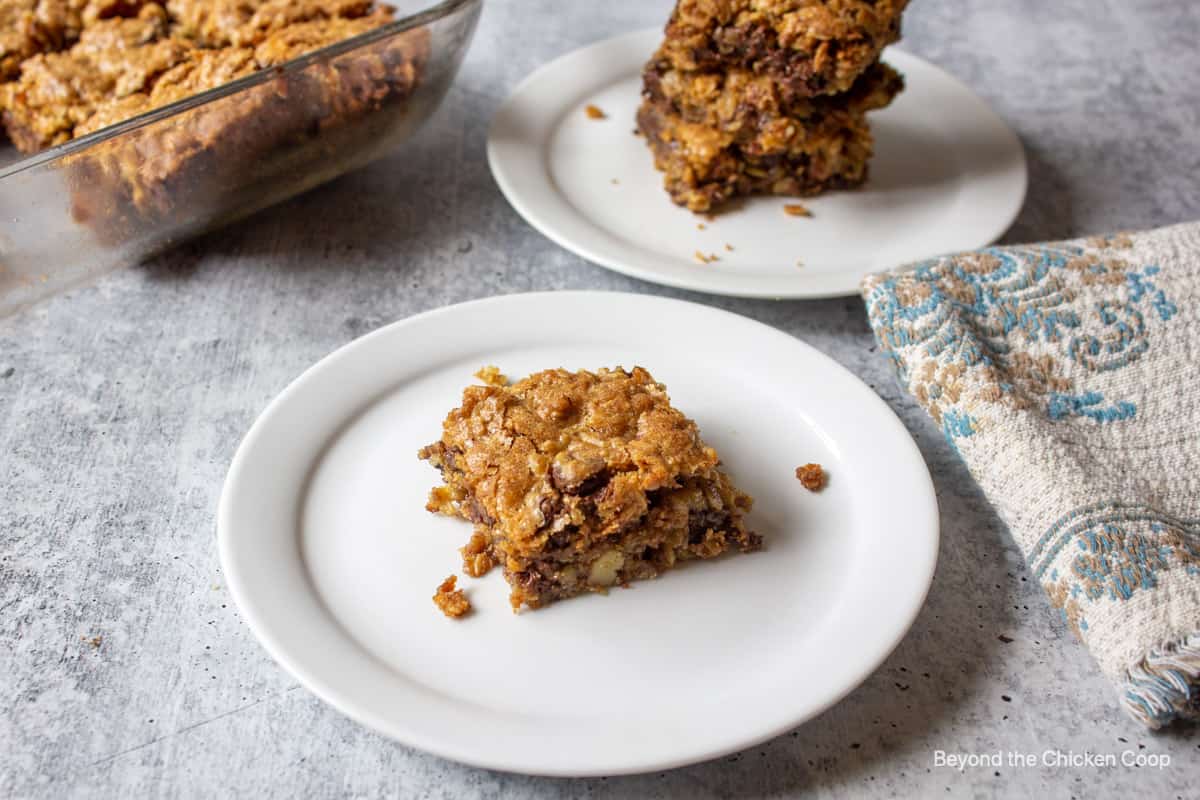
{"x":75,"y":146}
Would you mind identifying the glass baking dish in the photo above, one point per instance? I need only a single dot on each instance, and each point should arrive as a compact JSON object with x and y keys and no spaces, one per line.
{"x":118,"y":195}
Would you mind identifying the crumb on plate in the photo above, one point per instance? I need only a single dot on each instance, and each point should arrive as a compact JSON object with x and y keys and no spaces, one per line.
{"x":451,"y":601}
{"x":491,"y":376}
{"x":594,"y":112}
{"x":796,"y":210}
{"x":811,"y":477}
{"x":729,"y":247}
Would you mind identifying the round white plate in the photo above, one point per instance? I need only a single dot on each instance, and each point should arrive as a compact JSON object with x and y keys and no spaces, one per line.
{"x":947,"y":175}
{"x":332,"y":558}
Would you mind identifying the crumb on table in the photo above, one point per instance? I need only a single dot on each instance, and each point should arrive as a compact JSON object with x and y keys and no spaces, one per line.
{"x":594,"y":112}
{"x":811,"y":477}
{"x":451,"y":601}
{"x":796,"y":210}
{"x":94,"y":641}
{"x":491,"y":376}
{"x":729,"y":247}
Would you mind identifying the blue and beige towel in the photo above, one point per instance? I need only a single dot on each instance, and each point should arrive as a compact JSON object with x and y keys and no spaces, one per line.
{"x":1067,"y":376}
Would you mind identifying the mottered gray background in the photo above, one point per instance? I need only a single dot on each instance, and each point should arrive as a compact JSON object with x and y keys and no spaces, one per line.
{"x":126,"y":671}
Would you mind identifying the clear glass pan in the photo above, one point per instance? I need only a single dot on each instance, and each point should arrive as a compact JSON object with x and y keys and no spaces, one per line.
{"x":122,"y":193}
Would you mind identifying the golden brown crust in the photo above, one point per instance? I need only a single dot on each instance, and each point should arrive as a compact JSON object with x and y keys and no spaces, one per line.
{"x":20,"y":37}
{"x":218,"y":23}
{"x":293,"y":41}
{"x":452,"y":602}
{"x":577,"y":481}
{"x":112,"y":59}
{"x":120,"y":50}
{"x":811,"y":46}
{"x":29,"y":27}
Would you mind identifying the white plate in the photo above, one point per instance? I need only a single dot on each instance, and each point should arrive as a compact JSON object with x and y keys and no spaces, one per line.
{"x":948,"y":174}
{"x":332,"y":559}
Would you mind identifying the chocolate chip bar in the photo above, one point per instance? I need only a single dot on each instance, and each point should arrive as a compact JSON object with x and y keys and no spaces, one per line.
{"x":580,"y":481}
{"x":766,"y":97}
{"x":812,"y":47}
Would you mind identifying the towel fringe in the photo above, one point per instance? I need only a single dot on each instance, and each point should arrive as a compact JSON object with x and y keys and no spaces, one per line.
{"x":1165,"y":685}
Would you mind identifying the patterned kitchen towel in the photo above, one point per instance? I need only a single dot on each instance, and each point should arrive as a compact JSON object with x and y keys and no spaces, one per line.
{"x":1067,"y":377}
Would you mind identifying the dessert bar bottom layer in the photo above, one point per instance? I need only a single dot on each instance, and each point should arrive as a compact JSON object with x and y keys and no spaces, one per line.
{"x":705,"y":167}
{"x":702,"y":518}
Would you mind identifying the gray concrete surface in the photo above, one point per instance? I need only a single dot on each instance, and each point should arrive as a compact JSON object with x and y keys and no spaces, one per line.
{"x":122,"y":403}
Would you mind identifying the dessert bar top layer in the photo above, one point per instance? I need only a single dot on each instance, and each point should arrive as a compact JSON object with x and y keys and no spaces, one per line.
{"x":530,"y":452}
{"x":812,"y":46}
{"x":217,"y":23}
{"x":29,"y":27}
{"x":122,"y":59}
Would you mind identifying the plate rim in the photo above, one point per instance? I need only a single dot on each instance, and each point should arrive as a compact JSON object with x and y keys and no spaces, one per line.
{"x":508,"y":184}
{"x":242,"y":594}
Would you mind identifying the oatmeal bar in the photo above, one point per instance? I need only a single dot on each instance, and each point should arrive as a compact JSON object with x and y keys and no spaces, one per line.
{"x":810,"y":46}
{"x":182,"y":164}
{"x":113,"y":58}
{"x":30,"y":27}
{"x":217,"y":23}
{"x":20,"y":35}
{"x":705,"y":166}
{"x":578,"y":481}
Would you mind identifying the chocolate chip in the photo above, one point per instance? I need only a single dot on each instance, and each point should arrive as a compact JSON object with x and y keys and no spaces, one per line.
{"x":589,"y":485}
{"x":550,"y":507}
{"x":478,"y":514}
{"x":562,"y":539}
{"x":593,"y":484}
{"x":701,"y":522}
{"x":654,"y":498}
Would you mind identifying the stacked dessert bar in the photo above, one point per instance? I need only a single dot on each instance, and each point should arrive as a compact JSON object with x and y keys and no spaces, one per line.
{"x":767,"y":96}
